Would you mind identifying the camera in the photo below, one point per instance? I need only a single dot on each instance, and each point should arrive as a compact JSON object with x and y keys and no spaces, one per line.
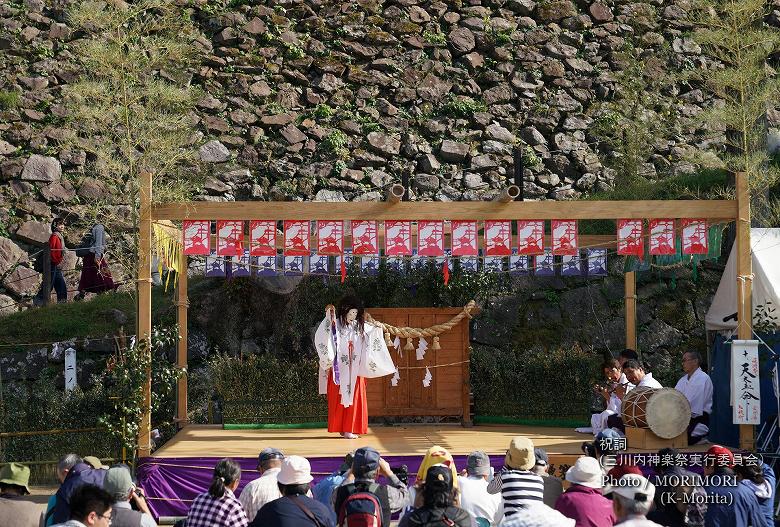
{"x":402,"y":473}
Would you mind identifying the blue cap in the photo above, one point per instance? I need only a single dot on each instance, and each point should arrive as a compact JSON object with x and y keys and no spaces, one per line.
{"x":366,"y":460}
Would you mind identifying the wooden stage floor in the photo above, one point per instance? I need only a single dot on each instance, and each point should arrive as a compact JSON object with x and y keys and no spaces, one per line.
{"x":404,"y":440}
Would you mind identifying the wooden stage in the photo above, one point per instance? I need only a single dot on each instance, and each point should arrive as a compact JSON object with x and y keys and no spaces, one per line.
{"x":562,"y":444}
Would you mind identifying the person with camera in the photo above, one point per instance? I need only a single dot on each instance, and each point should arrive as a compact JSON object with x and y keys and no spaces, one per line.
{"x":119,"y":484}
{"x":361,"y":494}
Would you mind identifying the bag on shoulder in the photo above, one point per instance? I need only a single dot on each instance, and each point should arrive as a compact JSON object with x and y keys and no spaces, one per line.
{"x":85,"y":245}
{"x":361,"y":509}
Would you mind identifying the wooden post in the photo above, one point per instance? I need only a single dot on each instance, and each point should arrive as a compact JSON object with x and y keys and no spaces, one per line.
{"x":46,"y":286}
{"x":182,"y":305}
{"x":744,"y":285}
{"x":630,"y":287}
{"x":144,"y":323}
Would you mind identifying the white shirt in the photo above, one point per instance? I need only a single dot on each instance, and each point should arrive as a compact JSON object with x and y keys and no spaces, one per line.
{"x":614,"y":403}
{"x":259,"y":492}
{"x":475,"y":499}
{"x":146,"y":520}
{"x":70,"y":523}
{"x":698,"y":391}
{"x":648,"y":382}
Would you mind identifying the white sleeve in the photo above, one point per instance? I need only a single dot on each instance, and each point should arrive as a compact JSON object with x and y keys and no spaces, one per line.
{"x":376,"y":361}
{"x":324,"y":344}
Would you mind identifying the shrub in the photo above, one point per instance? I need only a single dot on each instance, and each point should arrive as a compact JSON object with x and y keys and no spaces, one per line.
{"x":463,"y":107}
{"x":8,"y":99}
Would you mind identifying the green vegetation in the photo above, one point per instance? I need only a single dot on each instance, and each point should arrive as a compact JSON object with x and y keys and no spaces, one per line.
{"x":9,"y":99}
{"x":462,"y":106}
{"x":437,"y":38}
{"x":323,"y":111}
{"x":295,"y":52}
{"x":335,"y":144}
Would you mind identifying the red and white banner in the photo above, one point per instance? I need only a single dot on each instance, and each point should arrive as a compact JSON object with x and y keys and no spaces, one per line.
{"x":430,"y":238}
{"x":694,"y":236}
{"x":498,"y":237}
{"x":262,"y":238}
{"x":230,"y":237}
{"x":662,"y":237}
{"x":564,"y":237}
{"x":330,"y":236}
{"x":364,"y":237}
{"x":296,"y":237}
{"x":530,"y":236}
{"x":398,"y":238}
{"x":464,"y":240}
{"x":197,"y":236}
{"x":630,"y":241}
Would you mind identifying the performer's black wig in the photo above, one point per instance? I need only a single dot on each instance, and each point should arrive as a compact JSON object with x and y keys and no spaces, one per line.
{"x":351,"y":302}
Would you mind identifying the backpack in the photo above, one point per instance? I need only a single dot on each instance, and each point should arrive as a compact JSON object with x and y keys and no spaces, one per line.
{"x":361,"y":509}
{"x":85,"y":245}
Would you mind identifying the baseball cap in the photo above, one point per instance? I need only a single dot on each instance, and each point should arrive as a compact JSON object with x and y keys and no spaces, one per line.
{"x":269,"y":453}
{"x":296,"y":470}
{"x":632,"y":487}
{"x":541,"y":457}
{"x":118,"y":481}
{"x":439,"y":476}
{"x":366,"y":460}
{"x":478,"y":464}
{"x":720,"y":456}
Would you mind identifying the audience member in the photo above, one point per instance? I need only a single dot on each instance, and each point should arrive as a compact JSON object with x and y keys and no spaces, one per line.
{"x":90,"y":506}
{"x":15,"y":509}
{"x":553,"y":486}
{"x":323,"y":491}
{"x":219,"y":507}
{"x":537,"y":514}
{"x":738,"y":505}
{"x":760,"y":480}
{"x":57,"y":248}
{"x":79,"y":474}
{"x":65,"y":463}
{"x":94,"y":462}
{"x":294,"y":508}
{"x":438,"y":508}
{"x":516,"y":483}
{"x":436,"y":455}
{"x":474,"y":497}
{"x":632,"y":498}
{"x":604,"y":449}
{"x":263,"y":489}
{"x":688,"y":511}
{"x":119,"y":484}
{"x":367,"y":465}
{"x":697,"y":388}
{"x":583,"y":501}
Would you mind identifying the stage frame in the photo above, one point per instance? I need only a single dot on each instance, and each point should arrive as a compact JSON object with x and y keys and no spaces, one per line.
{"x":737,"y":210}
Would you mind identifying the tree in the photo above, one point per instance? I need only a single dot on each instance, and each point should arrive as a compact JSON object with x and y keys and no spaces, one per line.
{"x":131,"y":109}
{"x":735,"y":33}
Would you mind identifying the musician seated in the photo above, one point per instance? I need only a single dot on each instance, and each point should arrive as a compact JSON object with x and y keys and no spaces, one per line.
{"x":636,"y":375}
{"x":697,"y":388}
{"x":613,"y":391}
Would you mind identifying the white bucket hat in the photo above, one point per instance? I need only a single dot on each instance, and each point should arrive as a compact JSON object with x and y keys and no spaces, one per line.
{"x":295,"y":470}
{"x":586,"y":472}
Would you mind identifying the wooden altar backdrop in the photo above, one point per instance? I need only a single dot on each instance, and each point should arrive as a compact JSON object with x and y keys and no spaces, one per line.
{"x":448,"y":393}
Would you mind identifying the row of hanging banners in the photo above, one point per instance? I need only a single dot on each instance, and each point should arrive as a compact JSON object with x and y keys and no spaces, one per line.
{"x":528,"y":255}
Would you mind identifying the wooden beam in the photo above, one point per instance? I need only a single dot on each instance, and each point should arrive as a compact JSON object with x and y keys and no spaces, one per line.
{"x":461,"y":210}
{"x":744,"y":285}
{"x":144,"y":331}
{"x":630,"y":287}
{"x":182,"y":305}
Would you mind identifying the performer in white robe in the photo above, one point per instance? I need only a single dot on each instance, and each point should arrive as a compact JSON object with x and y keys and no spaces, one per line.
{"x":635,"y":374}
{"x":697,"y":388}
{"x":350,"y":350}
{"x":617,"y":387}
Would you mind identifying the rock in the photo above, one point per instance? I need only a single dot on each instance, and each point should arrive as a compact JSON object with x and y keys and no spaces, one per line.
{"x":600,"y":12}
{"x":428,"y":163}
{"x":215,"y":186}
{"x":92,"y":189}
{"x":10,"y":254}
{"x":426,"y":182}
{"x":556,"y":10}
{"x":58,"y":192}
{"x":532,"y":136}
{"x":686,"y":45}
{"x":575,"y":122}
{"x":499,"y":133}
{"x":384,"y":143}
{"x":22,"y":281}
{"x":6,"y":148}
{"x":34,"y":232}
{"x":380,"y":178}
{"x":42,"y":168}
{"x":260,"y":89}
{"x":453,"y":152}
{"x":278,"y":119}
{"x":329,"y":195}
{"x":586,"y":182}
{"x":483,"y":162}
{"x":474,"y":60}
{"x":7,"y":305}
{"x":461,"y":40}
{"x":474,"y":181}
{"x":293,"y":134}
{"x":214,"y":152}
{"x":255,"y":27}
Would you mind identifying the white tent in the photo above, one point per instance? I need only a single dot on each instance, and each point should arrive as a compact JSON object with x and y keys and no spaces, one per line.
{"x":765,"y":253}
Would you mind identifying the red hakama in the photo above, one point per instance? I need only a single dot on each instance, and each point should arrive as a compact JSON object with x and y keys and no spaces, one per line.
{"x":353,"y":419}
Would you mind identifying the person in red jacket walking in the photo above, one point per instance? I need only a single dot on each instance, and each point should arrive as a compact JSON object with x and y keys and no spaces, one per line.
{"x":57,"y":246}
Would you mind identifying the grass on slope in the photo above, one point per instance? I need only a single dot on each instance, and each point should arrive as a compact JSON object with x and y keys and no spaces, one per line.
{"x":91,"y":318}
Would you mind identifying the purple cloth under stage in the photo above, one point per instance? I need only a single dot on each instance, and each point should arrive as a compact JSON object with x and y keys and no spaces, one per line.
{"x":171,"y":484}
